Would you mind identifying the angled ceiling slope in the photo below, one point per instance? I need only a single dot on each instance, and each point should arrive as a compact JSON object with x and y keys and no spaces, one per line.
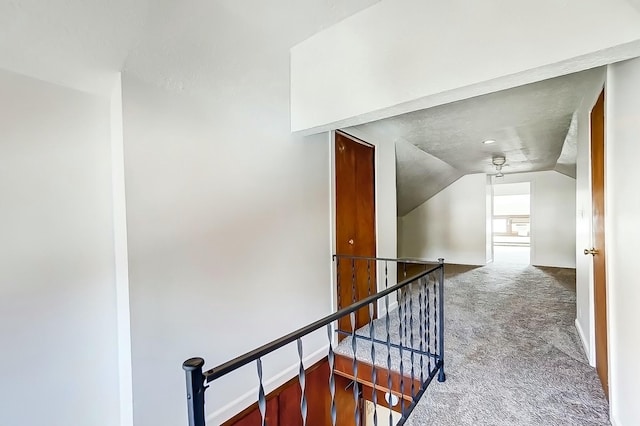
{"x":419,"y":176}
{"x":534,"y":128}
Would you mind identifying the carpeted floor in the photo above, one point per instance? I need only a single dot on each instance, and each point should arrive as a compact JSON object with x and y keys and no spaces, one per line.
{"x":513,"y":356}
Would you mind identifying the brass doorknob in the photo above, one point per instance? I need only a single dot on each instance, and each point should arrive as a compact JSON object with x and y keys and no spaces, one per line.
{"x":591,"y":251}
{"x":351,"y":241}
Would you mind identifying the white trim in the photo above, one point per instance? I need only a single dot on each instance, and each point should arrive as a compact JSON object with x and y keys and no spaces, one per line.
{"x":237,"y":405}
{"x":610,"y":252}
{"x":355,"y":138}
{"x":585,"y":346}
{"x":332,"y":220}
{"x":612,"y":419}
{"x":121,"y":255}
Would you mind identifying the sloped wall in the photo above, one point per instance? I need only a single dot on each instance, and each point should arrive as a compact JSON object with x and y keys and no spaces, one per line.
{"x":451,"y":224}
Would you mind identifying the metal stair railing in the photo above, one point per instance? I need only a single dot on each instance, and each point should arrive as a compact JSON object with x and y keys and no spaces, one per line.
{"x":415,"y":354}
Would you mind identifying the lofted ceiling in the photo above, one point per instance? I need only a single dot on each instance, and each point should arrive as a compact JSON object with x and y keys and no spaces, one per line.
{"x":76,"y":43}
{"x":533,"y":126}
{"x":197,"y":46}
{"x":194,"y":46}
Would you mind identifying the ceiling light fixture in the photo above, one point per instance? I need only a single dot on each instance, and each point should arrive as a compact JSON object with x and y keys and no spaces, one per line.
{"x":499,"y":162}
{"x":488,"y":141}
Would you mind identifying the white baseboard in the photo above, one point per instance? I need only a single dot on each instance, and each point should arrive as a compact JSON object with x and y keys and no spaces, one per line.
{"x":585,"y":344}
{"x":393,"y":305}
{"x":613,"y":421}
{"x":234,"y":407}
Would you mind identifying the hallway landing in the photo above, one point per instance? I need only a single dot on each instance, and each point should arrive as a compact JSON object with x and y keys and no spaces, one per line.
{"x":513,"y":356}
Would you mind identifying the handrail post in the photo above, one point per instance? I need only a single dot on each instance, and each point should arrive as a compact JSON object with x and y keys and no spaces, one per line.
{"x":195,"y":390}
{"x":441,"y":374}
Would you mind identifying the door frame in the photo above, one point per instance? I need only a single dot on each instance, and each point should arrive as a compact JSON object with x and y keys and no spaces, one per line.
{"x":381,"y":170}
{"x":593,"y":361}
{"x":358,"y":225}
{"x":333,"y":214}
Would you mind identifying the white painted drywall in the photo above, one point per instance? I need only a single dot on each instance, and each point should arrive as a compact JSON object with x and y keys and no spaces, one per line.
{"x":403,"y":55}
{"x":228,"y":230}
{"x":622,"y":238}
{"x":512,"y":189}
{"x":454,"y":221}
{"x":59,"y":359}
{"x":451,"y":224}
{"x":553,"y":222}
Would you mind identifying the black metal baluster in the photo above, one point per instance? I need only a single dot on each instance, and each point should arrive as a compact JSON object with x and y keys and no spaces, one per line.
{"x":332,"y":379}
{"x":374,"y":373}
{"x":401,"y":330}
{"x":262,"y":401}
{"x":421,"y":330}
{"x":386,"y":275}
{"x":368,"y":277}
{"x":339,"y":298}
{"x":413,"y":390}
{"x":428,"y":301}
{"x":387,"y":323}
{"x":353,"y":281}
{"x":435,"y":319}
{"x":356,"y":392}
{"x":302,"y":381}
{"x":441,"y":375}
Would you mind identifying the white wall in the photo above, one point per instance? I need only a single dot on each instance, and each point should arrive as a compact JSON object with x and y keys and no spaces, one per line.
{"x":59,"y":361}
{"x":623,"y":238}
{"x":373,"y":64}
{"x":451,"y":224}
{"x":553,"y":221}
{"x":228,"y":228}
{"x":454,"y":221}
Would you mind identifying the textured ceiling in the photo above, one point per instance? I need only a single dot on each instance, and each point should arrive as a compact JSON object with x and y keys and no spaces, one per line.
{"x":184,"y":45}
{"x":199,"y":47}
{"x":76,"y":43}
{"x":422,"y":176}
{"x":178,"y":44}
{"x":635,"y":3}
{"x":529,"y":123}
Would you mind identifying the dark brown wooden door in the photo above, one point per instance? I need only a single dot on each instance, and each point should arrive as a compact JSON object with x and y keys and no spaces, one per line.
{"x":355,"y":222}
{"x":598,"y":250}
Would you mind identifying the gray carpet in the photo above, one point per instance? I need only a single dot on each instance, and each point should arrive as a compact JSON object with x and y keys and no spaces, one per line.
{"x":513,"y":356}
